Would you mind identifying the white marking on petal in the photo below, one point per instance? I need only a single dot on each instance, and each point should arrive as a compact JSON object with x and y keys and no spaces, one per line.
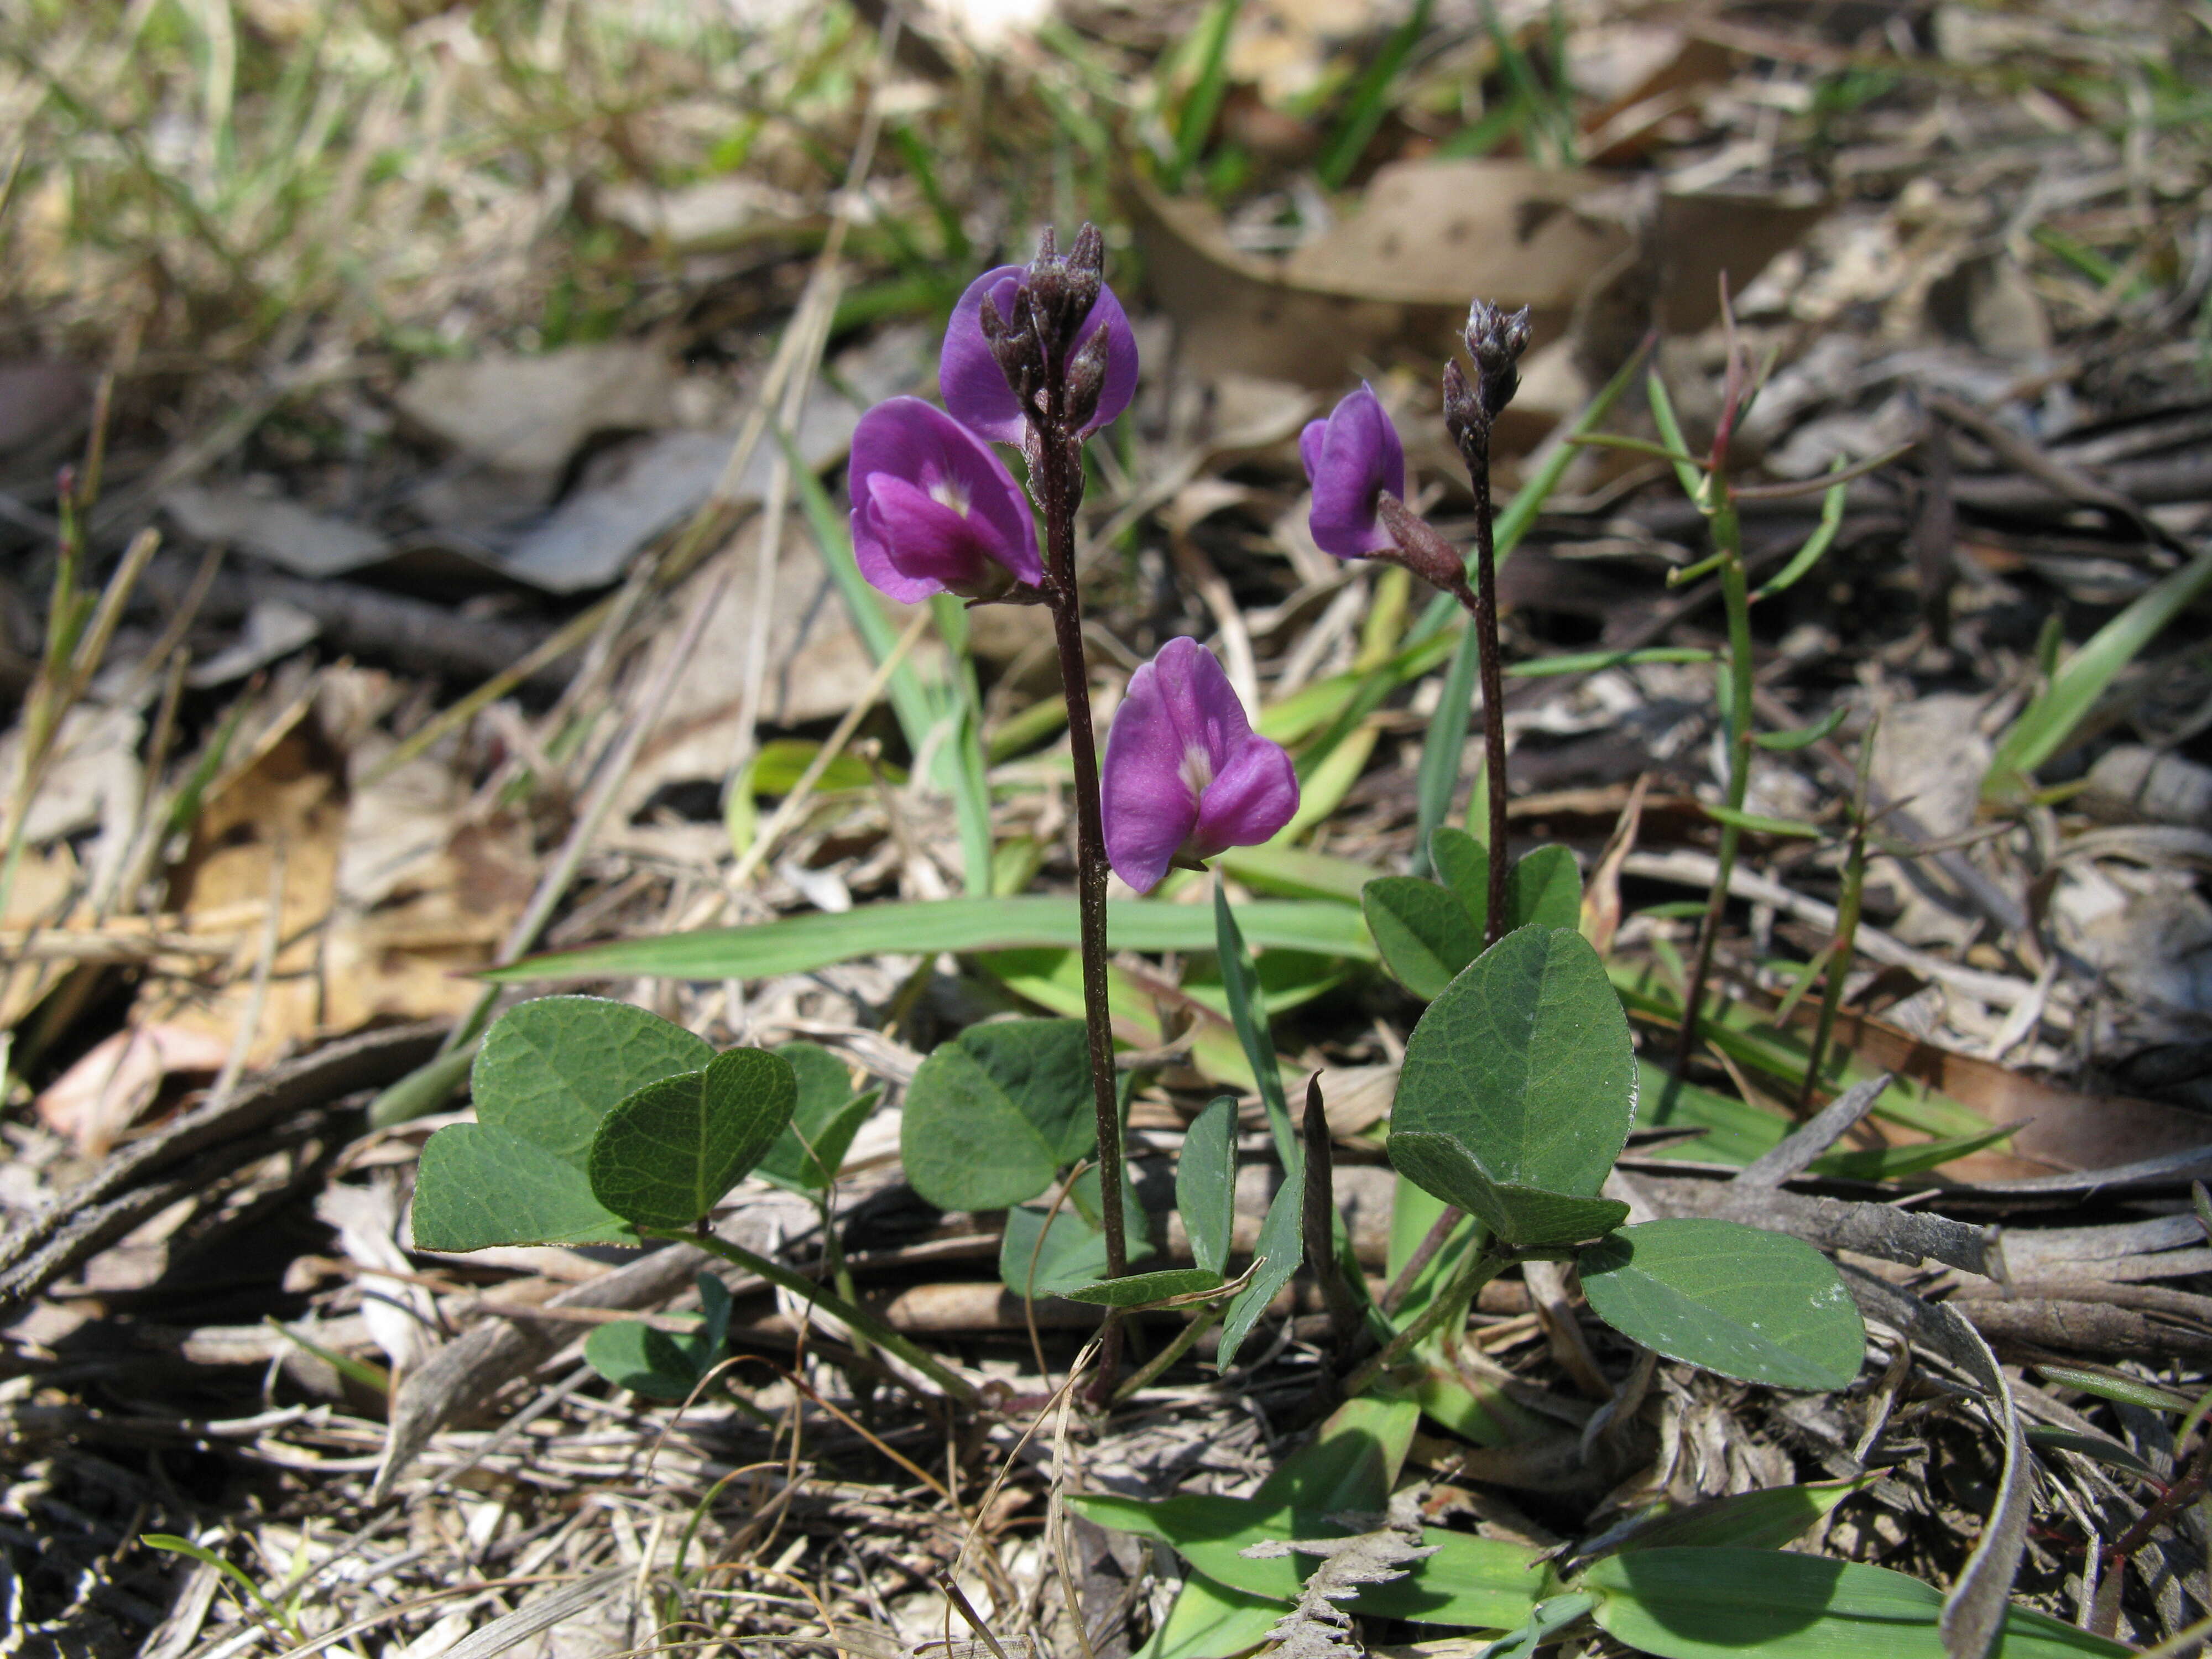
{"x":1197,"y":769}
{"x":950,"y":492}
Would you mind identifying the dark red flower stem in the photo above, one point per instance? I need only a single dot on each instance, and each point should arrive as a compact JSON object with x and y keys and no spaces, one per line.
{"x":1484,"y":610}
{"x":1056,"y":468}
{"x":1495,"y":341}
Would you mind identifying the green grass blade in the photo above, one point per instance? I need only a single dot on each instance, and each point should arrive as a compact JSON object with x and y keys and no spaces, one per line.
{"x":972,"y":793}
{"x":1590,"y":662}
{"x":1371,"y":100}
{"x":797,"y":945}
{"x":1196,"y":123}
{"x":2046,"y":724}
{"x":1248,"y":1012}
{"x":1686,"y":470}
{"x":1800,"y":561}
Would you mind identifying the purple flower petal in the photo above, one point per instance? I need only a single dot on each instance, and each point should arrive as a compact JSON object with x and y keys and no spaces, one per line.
{"x":1250,"y":799}
{"x":933,"y":509}
{"x":974,"y":388}
{"x":1351,"y":459}
{"x":1184,"y":772}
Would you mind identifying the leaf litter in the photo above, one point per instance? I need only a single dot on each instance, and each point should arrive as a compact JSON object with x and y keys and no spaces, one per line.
{"x":260,"y":844}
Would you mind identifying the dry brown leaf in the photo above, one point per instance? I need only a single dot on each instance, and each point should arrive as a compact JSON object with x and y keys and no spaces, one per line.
{"x":103,"y":1094}
{"x":2059,"y":1128}
{"x":289,"y":802}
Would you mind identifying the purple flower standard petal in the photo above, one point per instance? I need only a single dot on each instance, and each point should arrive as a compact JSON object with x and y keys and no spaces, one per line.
{"x":1351,"y":458}
{"x":976,"y":389}
{"x":933,"y":509}
{"x":1184,"y":772}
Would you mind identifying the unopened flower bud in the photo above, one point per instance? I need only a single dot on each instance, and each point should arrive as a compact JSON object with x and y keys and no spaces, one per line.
{"x":1420,"y":546}
{"x":988,"y":388}
{"x":1495,"y":340}
{"x":1465,"y":418}
{"x":1086,"y":378}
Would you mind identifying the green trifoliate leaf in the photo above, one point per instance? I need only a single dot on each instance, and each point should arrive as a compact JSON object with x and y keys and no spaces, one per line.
{"x":545,"y":1078}
{"x":552,"y":1069}
{"x":1548,"y":888}
{"x":806,"y":1156}
{"x":479,"y":1185}
{"x":1518,"y":1215}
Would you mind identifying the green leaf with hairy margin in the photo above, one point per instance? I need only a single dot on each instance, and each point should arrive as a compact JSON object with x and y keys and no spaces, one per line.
{"x":1763,"y":1519}
{"x":666,"y":1155}
{"x":1211,"y":1621}
{"x":1548,"y":888}
{"x":1440,"y":1165}
{"x":1547,"y":1621}
{"x":1422,"y":931}
{"x":1138,"y":1290}
{"x":1279,"y":1252}
{"x":1206,"y":1183}
{"x":1751,"y":1305}
{"x":1470,"y":1582}
{"x":1526,"y":1061}
{"x":2047,"y":725}
{"x":993,"y":1115}
{"x":478,"y":1185}
{"x":552,"y":1069}
{"x":1724,"y":1603}
{"x":2117,"y":1387}
{"x":807,"y":1156}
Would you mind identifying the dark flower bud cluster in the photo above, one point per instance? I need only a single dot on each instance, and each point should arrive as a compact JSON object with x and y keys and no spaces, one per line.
{"x":1495,"y":338}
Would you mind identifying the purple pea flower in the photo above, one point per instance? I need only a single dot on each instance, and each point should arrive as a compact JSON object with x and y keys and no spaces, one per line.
{"x":974,"y":385}
{"x":1185,"y":774}
{"x":934,"y":510}
{"x":1351,"y":458}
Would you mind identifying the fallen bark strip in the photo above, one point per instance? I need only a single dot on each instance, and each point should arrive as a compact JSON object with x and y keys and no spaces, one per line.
{"x":414,"y":635}
{"x":2093,"y":1328}
{"x":137,"y":1181}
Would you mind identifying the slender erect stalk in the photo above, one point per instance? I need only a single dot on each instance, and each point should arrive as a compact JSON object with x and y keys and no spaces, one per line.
{"x":1736,"y":596}
{"x":1057,"y":374}
{"x":1175,"y":1349}
{"x":1058,"y":495}
{"x":1847,"y":927}
{"x":1495,"y":341}
{"x":1493,"y":692}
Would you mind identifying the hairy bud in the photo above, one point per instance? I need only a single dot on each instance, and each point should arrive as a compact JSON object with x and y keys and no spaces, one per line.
{"x":1086,"y":377}
{"x":1419,"y":546}
{"x":1495,"y":340}
{"x":1465,"y":418}
{"x":1022,"y":347}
